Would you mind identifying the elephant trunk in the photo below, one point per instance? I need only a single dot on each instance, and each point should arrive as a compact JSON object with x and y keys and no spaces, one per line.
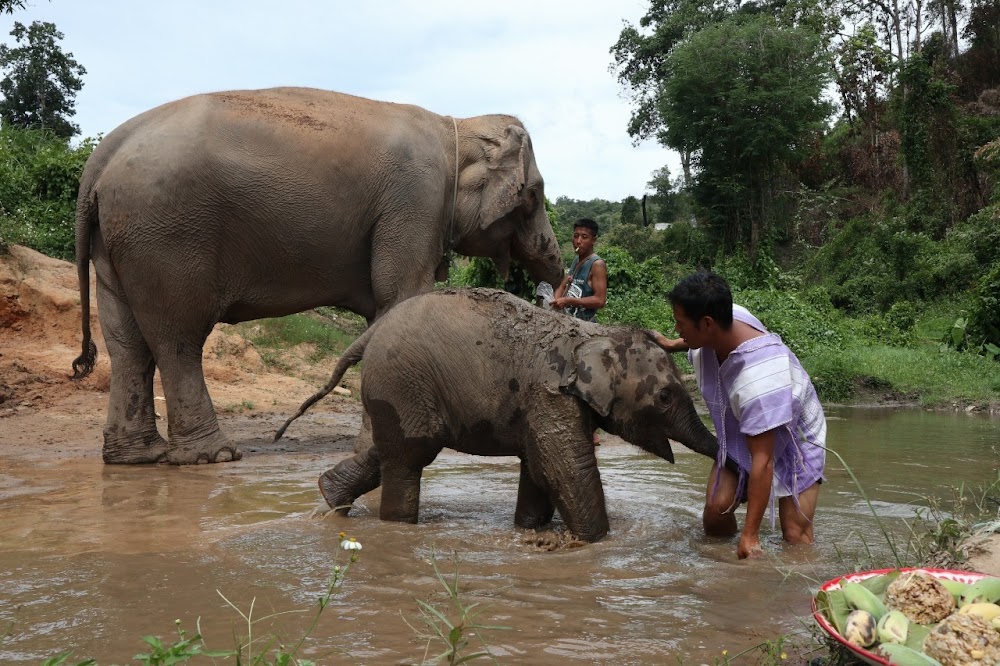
{"x":692,"y":433}
{"x":536,"y":248}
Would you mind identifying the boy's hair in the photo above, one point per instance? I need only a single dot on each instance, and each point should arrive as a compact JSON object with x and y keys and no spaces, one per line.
{"x":705,"y":294}
{"x":589,"y":224}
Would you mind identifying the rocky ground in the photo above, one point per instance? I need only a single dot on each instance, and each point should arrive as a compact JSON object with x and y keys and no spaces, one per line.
{"x":44,"y":414}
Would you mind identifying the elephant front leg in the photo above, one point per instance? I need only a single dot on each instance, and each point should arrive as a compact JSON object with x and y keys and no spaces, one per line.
{"x":534,"y":508}
{"x":193,"y":429}
{"x":400,"y":493}
{"x":130,"y":434}
{"x":351,"y":479}
{"x":570,"y":470}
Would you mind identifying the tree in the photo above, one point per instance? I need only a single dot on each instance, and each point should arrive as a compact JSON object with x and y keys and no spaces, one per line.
{"x":902,"y":25}
{"x":745,"y":95}
{"x":631,"y":212}
{"x":981,"y":66}
{"x":8,"y":6}
{"x":40,"y":81}
{"x":864,"y":76}
{"x":641,"y":53}
{"x":664,"y":198}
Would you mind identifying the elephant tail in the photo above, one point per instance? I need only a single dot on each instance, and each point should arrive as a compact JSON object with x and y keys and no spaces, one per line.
{"x":86,"y":218}
{"x":349,"y":358}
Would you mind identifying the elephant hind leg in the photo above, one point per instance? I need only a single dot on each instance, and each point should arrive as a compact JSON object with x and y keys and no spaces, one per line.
{"x":130,"y":434}
{"x":350,"y":479}
{"x":193,"y":429}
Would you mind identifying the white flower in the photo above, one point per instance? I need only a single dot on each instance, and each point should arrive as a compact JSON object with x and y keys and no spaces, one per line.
{"x":350,"y":544}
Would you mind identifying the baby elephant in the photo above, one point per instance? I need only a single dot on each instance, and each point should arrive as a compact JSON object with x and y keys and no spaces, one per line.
{"x":484,"y":372}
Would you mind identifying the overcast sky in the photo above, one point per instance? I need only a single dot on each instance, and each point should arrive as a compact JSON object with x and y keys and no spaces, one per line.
{"x":545,"y":61}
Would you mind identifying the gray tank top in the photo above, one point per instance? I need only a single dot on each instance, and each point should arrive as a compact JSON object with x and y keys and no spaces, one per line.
{"x":579,"y":287}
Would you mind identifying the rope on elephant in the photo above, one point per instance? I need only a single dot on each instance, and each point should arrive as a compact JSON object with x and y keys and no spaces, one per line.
{"x":449,"y":241}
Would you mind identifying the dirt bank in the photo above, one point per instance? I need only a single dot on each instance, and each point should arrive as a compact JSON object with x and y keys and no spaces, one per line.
{"x":40,"y":336}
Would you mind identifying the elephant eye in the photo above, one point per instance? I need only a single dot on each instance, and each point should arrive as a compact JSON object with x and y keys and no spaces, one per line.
{"x":663,"y":395}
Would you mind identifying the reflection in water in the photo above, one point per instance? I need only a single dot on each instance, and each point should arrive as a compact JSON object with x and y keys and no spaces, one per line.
{"x":94,"y":557}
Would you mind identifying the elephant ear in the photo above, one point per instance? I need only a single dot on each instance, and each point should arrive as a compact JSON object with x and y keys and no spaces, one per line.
{"x":590,"y":375}
{"x":505,"y":175}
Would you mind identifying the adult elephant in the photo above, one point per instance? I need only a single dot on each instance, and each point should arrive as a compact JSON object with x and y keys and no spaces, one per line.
{"x":259,"y":203}
{"x":484,"y":372}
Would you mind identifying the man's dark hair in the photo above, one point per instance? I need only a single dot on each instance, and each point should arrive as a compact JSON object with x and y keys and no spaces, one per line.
{"x":588,"y":223}
{"x":705,"y":294}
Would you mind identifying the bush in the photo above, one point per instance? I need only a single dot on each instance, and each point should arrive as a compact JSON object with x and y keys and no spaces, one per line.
{"x":873,"y":263}
{"x":832,"y":377}
{"x":636,"y":291}
{"x":984,"y":317}
{"x":39,"y":180}
{"x":482,"y":272}
{"x":804,"y":324}
{"x":625,"y":274}
{"x":693,"y":245}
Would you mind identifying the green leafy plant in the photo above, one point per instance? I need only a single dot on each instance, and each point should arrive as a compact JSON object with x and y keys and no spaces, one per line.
{"x":452,"y":630}
{"x":181,"y":651}
{"x":269,"y":649}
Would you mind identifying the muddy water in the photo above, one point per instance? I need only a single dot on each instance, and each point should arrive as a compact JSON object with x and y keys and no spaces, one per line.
{"x":94,"y":557}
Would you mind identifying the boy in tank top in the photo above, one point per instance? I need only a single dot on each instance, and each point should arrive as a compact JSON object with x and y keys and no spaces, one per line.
{"x":584,"y":290}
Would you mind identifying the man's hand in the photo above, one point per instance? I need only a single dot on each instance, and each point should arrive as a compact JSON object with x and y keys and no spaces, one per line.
{"x":558,"y":303}
{"x":667,"y":344}
{"x":749,"y":546}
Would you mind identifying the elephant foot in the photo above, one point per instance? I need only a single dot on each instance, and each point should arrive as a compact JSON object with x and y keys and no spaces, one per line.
{"x":534,"y":508}
{"x":209,"y":450}
{"x":591,"y":533}
{"x":332,"y":490}
{"x":135,"y":450}
{"x":532,"y":522}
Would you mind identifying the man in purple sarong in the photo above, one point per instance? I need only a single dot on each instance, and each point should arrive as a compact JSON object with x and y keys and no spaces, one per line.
{"x":767,"y":417}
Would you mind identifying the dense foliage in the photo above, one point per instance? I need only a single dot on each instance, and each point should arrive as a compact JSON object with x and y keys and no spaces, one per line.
{"x":890,"y":210}
{"x":39,"y":179}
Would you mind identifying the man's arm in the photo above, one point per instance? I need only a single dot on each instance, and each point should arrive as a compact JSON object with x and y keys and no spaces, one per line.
{"x":758,"y":492}
{"x":598,"y":282}
{"x":561,"y":289}
{"x":668,"y":344}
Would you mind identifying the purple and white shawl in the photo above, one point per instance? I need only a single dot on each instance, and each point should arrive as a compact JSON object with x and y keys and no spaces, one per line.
{"x":762,"y":386}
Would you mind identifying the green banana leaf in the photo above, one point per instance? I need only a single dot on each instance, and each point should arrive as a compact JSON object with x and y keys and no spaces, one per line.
{"x":833,"y":605}
{"x":917,"y":634}
{"x":878,"y":584}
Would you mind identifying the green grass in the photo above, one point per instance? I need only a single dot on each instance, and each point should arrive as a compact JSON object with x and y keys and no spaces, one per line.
{"x":329,"y":330}
{"x":238,"y":407}
{"x":933,"y":377}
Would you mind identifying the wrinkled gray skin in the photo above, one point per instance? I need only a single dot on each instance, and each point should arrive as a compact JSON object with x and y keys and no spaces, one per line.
{"x":484,"y":372}
{"x":246,"y":204}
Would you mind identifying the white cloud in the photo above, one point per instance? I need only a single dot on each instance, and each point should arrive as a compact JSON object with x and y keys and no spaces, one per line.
{"x":543,"y":61}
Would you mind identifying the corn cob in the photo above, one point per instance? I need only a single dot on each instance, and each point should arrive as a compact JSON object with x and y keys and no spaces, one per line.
{"x":860,"y":597}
